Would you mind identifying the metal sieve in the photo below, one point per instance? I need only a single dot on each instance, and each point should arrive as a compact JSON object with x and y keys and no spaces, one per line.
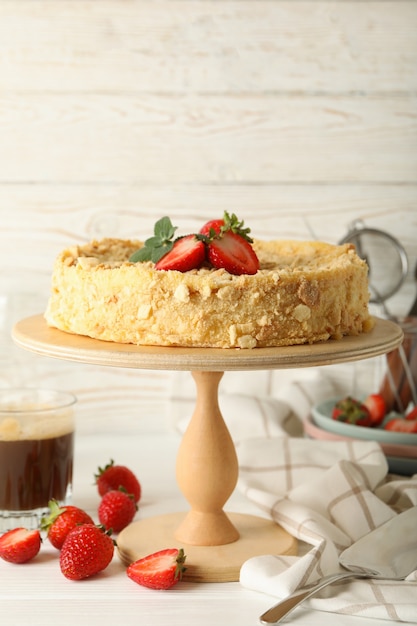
{"x":386,"y":258}
{"x":388,"y":266}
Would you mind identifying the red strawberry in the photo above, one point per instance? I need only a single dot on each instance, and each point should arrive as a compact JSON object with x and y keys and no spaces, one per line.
{"x":160,"y":570}
{"x":20,"y":545}
{"x":229,"y":245}
{"x":225,"y":241}
{"x":114,"y":476}
{"x":116,"y":510}
{"x":412,"y":415}
{"x":376,"y":406}
{"x":212,"y":228}
{"x":351,"y":411}
{"x":233,"y":253}
{"x":401,"y":425}
{"x":87,"y":550}
{"x":61,"y":521}
{"x":221,"y":226}
{"x":187,"y":253}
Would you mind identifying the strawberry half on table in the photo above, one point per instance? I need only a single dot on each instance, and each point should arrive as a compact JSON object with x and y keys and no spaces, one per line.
{"x":20,"y":545}
{"x":351,"y":411}
{"x":160,"y":570}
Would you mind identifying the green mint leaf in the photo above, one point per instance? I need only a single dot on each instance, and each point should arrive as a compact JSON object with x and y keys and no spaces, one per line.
{"x":153,"y":242}
{"x":160,"y":251}
{"x":164,"y":229}
{"x":157,"y":246}
{"x":143,"y":254}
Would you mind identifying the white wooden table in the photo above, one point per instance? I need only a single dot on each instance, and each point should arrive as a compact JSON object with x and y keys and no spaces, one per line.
{"x":38,"y":594}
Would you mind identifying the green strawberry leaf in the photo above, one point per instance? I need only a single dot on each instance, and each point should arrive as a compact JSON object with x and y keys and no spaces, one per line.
{"x":233,"y":223}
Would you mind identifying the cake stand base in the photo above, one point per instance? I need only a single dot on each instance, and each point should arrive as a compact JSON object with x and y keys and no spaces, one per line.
{"x":257,"y":536}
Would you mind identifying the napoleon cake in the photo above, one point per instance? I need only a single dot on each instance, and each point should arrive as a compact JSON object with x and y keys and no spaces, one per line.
{"x":218,"y":288}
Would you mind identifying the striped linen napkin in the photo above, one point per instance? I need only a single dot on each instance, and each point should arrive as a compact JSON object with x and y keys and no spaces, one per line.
{"x":327,"y":494}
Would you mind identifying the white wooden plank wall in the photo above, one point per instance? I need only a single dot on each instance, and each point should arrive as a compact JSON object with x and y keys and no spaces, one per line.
{"x":300,"y":116}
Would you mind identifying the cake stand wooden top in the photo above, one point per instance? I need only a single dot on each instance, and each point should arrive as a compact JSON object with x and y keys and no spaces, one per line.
{"x":34,"y":334}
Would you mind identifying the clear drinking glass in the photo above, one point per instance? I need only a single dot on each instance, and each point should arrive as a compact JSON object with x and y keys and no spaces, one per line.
{"x":36,"y":453}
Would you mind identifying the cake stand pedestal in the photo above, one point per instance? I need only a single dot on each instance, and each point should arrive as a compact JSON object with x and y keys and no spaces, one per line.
{"x":216,"y":543}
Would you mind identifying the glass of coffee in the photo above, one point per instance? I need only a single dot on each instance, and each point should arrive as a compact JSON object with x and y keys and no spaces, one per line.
{"x":36,"y":453}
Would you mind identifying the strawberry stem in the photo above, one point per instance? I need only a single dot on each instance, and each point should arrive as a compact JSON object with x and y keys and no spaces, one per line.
{"x":54,"y":512}
{"x":232,"y":222}
{"x":180,"y":560}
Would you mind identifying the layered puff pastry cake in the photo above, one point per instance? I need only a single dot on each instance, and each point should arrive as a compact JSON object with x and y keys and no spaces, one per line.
{"x":209,"y":290}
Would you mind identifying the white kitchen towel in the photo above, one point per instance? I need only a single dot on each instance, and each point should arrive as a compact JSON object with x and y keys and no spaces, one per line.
{"x":327,"y":494}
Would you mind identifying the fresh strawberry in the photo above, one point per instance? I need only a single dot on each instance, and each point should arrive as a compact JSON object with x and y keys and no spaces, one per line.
{"x":116,"y":510}
{"x":20,"y":545}
{"x":376,"y":406}
{"x":401,"y":425}
{"x":161,"y":570}
{"x":60,"y":521}
{"x":233,"y":253}
{"x":412,"y":415}
{"x":225,"y":242}
{"x":229,"y":245}
{"x":212,"y":228}
{"x":351,"y":411}
{"x":87,"y":550}
{"x":112,"y":476}
{"x":229,"y":222}
{"x":187,"y":253}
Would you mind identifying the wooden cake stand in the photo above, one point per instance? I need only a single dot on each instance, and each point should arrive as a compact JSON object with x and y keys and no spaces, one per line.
{"x":216,"y":543}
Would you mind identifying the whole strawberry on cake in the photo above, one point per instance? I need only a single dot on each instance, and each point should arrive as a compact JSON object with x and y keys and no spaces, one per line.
{"x":217,"y":288}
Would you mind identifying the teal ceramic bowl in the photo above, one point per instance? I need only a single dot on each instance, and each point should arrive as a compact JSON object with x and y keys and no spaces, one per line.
{"x":322,"y":417}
